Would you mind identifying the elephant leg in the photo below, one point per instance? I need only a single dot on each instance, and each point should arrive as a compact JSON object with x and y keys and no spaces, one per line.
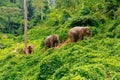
{"x":80,"y":37}
{"x":72,"y":38}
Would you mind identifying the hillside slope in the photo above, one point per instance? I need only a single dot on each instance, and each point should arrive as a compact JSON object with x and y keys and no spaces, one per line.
{"x":87,"y":59}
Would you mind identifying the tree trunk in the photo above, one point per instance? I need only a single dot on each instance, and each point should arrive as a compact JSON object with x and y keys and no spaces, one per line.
{"x":25,"y":27}
{"x":42,"y":14}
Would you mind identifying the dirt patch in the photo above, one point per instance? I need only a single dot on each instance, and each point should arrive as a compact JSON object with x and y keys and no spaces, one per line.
{"x":62,"y":44}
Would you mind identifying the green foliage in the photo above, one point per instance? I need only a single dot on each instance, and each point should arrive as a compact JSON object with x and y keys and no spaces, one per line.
{"x":49,"y":66}
{"x":63,"y":33}
{"x":87,"y":59}
{"x":53,"y":21}
{"x":11,"y":18}
{"x":90,"y":59}
{"x":65,"y":17}
{"x":2,"y":46}
{"x":83,"y":21}
{"x":85,"y":11}
{"x":117,"y":14}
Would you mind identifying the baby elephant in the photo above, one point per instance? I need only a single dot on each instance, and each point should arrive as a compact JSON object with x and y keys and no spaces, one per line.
{"x":78,"y":33}
{"x":51,"y":41}
{"x":30,"y":49}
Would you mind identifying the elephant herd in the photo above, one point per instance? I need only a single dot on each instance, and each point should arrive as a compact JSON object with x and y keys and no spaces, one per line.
{"x":75,"y":34}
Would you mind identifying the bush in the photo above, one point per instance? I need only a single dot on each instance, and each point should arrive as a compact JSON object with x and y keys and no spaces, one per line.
{"x":49,"y":66}
{"x":63,"y":34}
{"x":65,"y":16}
{"x":61,"y":72}
{"x":53,"y":21}
{"x":85,"y":11}
{"x":94,"y":30}
{"x":83,"y":21}
{"x":2,"y":46}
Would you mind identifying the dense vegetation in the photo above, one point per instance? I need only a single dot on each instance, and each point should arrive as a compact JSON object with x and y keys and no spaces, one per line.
{"x":95,"y":59}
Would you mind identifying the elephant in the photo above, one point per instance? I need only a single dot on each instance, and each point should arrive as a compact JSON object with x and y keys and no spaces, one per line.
{"x":51,"y":41}
{"x":78,"y":33}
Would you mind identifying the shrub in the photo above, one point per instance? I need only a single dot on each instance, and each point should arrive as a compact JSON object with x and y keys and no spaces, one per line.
{"x":49,"y":66}
{"x":85,"y":11}
{"x":64,"y":17}
{"x":61,"y":72}
{"x":83,"y":21}
{"x":2,"y":46}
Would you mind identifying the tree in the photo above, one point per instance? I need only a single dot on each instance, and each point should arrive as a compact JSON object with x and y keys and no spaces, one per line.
{"x":10,"y":18}
{"x":30,"y":10}
{"x":39,"y":7}
{"x":52,"y":3}
{"x":25,"y":26}
{"x":13,"y":1}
